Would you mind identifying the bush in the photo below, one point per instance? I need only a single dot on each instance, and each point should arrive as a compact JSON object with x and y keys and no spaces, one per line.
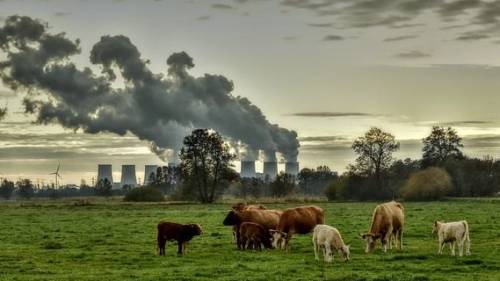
{"x":430,"y":184}
{"x":144,"y":194}
{"x":334,"y":191}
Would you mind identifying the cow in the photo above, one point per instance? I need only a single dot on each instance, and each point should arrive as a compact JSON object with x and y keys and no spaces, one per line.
{"x":328,"y":238}
{"x":452,"y":233}
{"x":300,"y":220}
{"x":267,"y":218}
{"x":254,"y":235}
{"x":240,"y":206}
{"x":182,"y":233}
{"x":387,"y":224}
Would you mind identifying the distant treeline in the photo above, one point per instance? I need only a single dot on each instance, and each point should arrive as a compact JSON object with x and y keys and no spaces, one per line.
{"x":205,"y":174}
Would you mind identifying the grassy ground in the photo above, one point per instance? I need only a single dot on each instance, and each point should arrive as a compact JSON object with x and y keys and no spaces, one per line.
{"x":62,"y":241}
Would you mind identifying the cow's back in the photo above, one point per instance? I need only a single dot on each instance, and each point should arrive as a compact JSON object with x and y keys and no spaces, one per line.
{"x":267,"y":218}
{"x":387,"y":215}
{"x":301,"y":220}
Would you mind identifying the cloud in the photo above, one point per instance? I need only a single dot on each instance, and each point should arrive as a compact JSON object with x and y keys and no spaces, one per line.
{"x":323,"y":139}
{"x":289,"y":38}
{"x":399,"y":38}
{"x":7,"y":94}
{"x":472,"y":36}
{"x":414,"y":54}
{"x":61,"y":14}
{"x":203,"y":18}
{"x":220,"y":6}
{"x":321,"y":24}
{"x":333,"y":38}
{"x":330,"y":114}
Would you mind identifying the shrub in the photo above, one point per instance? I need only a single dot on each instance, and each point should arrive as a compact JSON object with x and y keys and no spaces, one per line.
{"x":430,"y":184}
{"x":335,"y":189}
{"x":144,"y":194}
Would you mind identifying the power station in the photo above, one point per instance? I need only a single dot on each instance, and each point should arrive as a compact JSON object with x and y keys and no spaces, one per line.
{"x":128,"y":176}
{"x":149,"y":173}
{"x":105,"y":171}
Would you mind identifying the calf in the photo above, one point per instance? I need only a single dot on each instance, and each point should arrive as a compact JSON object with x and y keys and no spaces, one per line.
{"x":241,"y":206}
{"x":301,"y":220}
{"x":182,"y":233}
{"x":452,"y":232}
{"x":328,"y":238}
{"x":254,"y":235}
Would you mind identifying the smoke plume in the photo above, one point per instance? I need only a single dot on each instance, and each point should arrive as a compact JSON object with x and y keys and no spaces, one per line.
{"x":155,"y":107}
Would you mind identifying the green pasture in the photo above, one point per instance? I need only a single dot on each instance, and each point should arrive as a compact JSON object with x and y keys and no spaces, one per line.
{"x":116,"y":241}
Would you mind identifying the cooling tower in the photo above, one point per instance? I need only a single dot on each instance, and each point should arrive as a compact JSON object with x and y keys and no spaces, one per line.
{"x":105,"y":171}
{"x":270,"y":170}
{"x":148,"y":170}
{"x":292,"y":168}
{"x":247,"y":169}
{"x":128,"y":175}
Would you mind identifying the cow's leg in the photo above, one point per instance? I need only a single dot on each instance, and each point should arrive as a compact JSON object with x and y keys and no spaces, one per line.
{"x":316,"y":249}
{"x":328,"y":252}
{"x":161,"y":246}
{"x":179,"y":248}
{"x":384,"y":240}
{"x":460,"y":248}
{"x":440,"y":246}
{"x":467,"y":244}
{"x":452,"y":248}
{"x":242,"y":243}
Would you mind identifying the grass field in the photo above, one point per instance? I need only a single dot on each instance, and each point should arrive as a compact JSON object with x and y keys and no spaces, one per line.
{"x":116,"y":241}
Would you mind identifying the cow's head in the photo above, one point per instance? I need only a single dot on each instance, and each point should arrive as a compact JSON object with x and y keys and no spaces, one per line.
{"x":371,"y":240}
{"x":277,"y":237}
{"x":232,"y":218}
{"x":194,"y":229}
{"x":239,"y":206}
{"x":267,"y":241}
{"x":346,"y":251}
{"x":435,"y":226}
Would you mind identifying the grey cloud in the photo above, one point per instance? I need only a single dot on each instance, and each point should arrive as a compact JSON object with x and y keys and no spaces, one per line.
{"x":323,"y":138}
{"x":203,"y":18}
{"x":333,"y":38}
{"x":289,"y":38}
{"x":61,"y":14}
{"x":7,"y":94}
{"x":458,"y":7}
{"x":330,"y":114}
{"x":415,"y":54}
{"x":154,"y":107}
{"x":320,"y":24}
{"x":472,"y":36}
{"x":399,"y":38}
{"x":222,"y":6}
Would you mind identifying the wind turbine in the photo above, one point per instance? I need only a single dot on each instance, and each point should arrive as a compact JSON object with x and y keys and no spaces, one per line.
{"x":56,"y":174}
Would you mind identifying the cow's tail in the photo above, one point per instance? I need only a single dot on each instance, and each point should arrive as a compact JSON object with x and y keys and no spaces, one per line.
{"x":466,"y":238}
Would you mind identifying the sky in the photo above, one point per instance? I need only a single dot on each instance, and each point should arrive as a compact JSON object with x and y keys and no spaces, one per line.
{"x":327,"y":69}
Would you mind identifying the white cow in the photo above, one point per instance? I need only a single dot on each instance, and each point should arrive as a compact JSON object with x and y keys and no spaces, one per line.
{"x":328,"y":238}
{"x":453,"y":233}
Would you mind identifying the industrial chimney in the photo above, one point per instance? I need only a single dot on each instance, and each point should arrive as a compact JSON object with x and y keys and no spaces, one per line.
{"x":128,"y":176}
{"x":270,"y":169}
{"x":148,"y":170}
{"x":104,"y":171}
{"x":247,"y":169}
{"x":292,"y":168}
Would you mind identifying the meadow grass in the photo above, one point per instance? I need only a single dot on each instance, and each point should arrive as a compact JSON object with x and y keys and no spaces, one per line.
{"x":116,"y":241}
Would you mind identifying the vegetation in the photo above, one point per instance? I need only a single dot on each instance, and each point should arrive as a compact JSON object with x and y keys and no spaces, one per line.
{"x":104,"y":188}
{"x":115,"y":241}
{"x":430,"y":184}
{"x":144,"y":194}
{"x":6,"y":189}
{"x":25,"y":188}
{"x":440,"y":145}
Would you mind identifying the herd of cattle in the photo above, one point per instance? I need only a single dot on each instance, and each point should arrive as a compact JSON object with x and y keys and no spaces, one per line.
{"x":255,"y":227}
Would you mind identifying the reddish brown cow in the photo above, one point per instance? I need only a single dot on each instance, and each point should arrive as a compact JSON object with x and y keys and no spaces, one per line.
{"x":267,"y":218}
{"x":240,"y":206}
{"x":182,"y":233}
{"x":253,"y":235}
{"x":301,"y":220}
{"x":387,"y":224}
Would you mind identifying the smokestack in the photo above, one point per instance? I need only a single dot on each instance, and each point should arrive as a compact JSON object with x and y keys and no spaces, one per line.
{"x":128,"y":176}
{"x":148,"y":170}
{"x":105,"y":171}
{"x":247,"y":169}
{"x":292,"y":168}
{"x":271,"y":169}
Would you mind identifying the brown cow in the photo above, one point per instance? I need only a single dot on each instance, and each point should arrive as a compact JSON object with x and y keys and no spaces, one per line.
{"x":182,"y":233}
{"x":267,"y":218}
{"x":387,"y":224}
{"x":254,"y":235}
{"x":301,"y":220}
{"x":240,"y":206}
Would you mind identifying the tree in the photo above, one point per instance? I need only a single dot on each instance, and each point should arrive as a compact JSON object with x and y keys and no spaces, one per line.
{"x":104,"y":188}
{"x":3,"y":112}
{"x":6,"y":189}
{"x":25,"y":188}
{"x":374,"y":151}
{"x":283,"y":185}
{"x":441,"y":144}
{"x":314,"y":181}
{"x":430,"y":184}
{"x":206,"y":164}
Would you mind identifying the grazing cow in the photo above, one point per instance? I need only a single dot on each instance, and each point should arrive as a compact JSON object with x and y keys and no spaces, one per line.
{"x":453,"y":233}
{"x":301,"y":220}
{"x":182,"y":233}
{"x":387,"y":224}
{"x":267,"y":218}
{"x":254,"y":235}
{"x":329,"y":239}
